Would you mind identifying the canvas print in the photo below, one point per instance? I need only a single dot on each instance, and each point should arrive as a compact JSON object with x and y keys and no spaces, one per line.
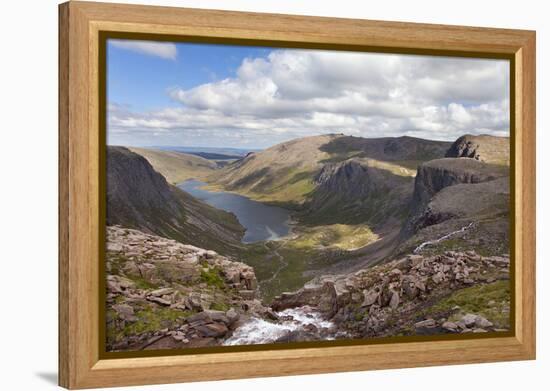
{"x":259,"y":195}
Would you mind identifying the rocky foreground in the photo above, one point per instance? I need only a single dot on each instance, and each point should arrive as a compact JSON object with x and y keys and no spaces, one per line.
{"x":162,"y":294}
{"x":457,"y":292}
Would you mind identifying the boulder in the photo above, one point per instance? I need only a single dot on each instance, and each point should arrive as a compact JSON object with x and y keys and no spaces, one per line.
{"x":199,"y":318}
{"x":371,"y":297}
{"x":450,"y":326}
{"x":159,"y":300}
{"x":215,"y":330}
{"x":217,"y":316}
{"x":125,"y":312}
{"x":247,"y":294}
{"x":481,"y":322}
{"x":394,"y":301}
{"x":232,"y":315}
{"x":469,"y":320}
{"x":428,"y":323}
{"x":162,"y":292}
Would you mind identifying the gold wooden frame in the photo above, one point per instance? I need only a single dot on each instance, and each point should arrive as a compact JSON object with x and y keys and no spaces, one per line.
{"x":80,"y":168}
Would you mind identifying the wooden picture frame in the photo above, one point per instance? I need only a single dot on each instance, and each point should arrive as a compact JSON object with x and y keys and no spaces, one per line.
{"x":80,"y":170}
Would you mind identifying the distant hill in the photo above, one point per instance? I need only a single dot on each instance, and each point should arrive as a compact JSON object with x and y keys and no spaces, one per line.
{"x":141,"y":198}
{"x":226,"y":151}
{"x":215,"y":156}
{"x":489,"y":149}
{"x":333,"y":178}
{"x":403,"y":151}
{"x":283,"y":173}
{"x":176,"y":167}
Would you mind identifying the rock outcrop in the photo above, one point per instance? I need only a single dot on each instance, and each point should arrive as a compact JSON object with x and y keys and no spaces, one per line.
{"x":356,"y":190}
{"x":489,"y":149}
{"x":435,"y":175}
{"x":453,"y":193}
{"x":415,"y":294}
{"x":165,"y":294}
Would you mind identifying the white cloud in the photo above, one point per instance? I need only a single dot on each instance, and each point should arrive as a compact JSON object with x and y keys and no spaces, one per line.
{"x":166,"y":50}
{"x":294,"y":93}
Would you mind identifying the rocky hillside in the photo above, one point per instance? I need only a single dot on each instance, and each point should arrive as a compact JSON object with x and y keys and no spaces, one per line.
{"x":357,"y":191}
{"x":139,"y":197}
{"x":176,"y":167}
{"x":448,"y":293}
{"x":461,"y":197}
{"x":489,"y":149}
{"x":162,"y":294}
{"x":437,"y":174}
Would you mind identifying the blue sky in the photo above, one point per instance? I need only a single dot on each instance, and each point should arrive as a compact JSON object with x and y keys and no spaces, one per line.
{"x":141,"y":81}
{"x":201,"y":95}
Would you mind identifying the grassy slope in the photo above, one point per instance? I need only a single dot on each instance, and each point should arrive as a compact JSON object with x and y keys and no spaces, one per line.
{"x":491,"y":301}
{"x":176,"y":167}
{"x":281,"y":174}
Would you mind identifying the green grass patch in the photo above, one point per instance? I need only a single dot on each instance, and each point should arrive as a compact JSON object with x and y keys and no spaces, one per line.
{"x":341,"y":236}
{"x":150,"y":319}
{"x":212,"y":277}
{"x":491,"y":301}
{"x":219,"y":307}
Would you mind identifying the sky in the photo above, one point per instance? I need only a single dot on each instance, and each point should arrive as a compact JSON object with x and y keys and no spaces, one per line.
{"x":204,"y":95}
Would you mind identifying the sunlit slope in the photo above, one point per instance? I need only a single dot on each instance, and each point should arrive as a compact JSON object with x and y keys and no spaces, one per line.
{"x":176,"y":167}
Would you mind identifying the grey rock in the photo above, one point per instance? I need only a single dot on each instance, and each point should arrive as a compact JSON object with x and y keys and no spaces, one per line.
{"x":451,"y":326}
{"x":481,"y":322}
{"x":428,"y":323}
{"x":478,"y":330}
{"x":394,"y":301}
{"x":232,"y":315}
{"x":370,"y":297}
{"x":212,"y":330}
{"x":162,"y":292}
{"x":469,"y":320}
{"x":247,"y":294}
{"x":159,"y":300}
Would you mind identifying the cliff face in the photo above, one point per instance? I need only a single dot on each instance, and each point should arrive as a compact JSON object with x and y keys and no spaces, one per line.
{"x":164,"y":294}
{"x":350,"y":178}
{"x":134,"y":186}
{"x":490,"y":149}
{"x":435,"y":175}
{"x":139,"y":197}
{"x":357,"y":191}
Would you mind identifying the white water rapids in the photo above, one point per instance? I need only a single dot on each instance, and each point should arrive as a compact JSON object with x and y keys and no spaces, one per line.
{"x":260,"y":331}
{"x":444,"y":237}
